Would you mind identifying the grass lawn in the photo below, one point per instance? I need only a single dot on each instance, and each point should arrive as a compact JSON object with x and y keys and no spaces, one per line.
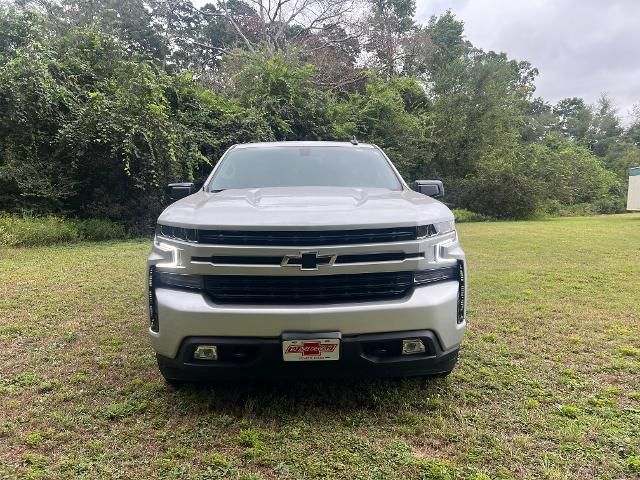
{"x":548,"y":384}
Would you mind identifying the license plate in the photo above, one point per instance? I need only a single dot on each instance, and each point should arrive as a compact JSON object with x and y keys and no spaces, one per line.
{"x":309,"y":350}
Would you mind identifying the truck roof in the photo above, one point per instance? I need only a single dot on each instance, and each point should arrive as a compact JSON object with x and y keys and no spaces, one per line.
{"x":301,"y":144}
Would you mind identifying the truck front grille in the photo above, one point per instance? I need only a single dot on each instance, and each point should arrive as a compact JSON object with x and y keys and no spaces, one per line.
{"x":312,"y":289}
{"x":311,"y":238}
{"x":277,"y":260}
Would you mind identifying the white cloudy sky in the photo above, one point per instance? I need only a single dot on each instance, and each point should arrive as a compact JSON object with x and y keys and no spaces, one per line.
{"x":581,"y":47}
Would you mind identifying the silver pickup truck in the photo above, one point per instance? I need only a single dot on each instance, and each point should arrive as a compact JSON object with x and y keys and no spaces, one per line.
{"x":299,"y":259}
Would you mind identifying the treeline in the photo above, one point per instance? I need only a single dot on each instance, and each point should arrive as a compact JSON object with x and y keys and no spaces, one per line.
{"x":103,"y":102}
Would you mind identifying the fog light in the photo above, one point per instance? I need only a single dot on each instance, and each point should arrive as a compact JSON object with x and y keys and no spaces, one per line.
{"x":206,"y":352}
{"x":411,"y":346}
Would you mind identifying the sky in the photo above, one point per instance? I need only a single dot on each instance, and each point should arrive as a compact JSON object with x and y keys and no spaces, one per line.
{"x":582,"y":48}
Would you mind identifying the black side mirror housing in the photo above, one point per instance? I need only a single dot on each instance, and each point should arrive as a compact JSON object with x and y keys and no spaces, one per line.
{"x":176,"y":191}
{"x":431,"y":188}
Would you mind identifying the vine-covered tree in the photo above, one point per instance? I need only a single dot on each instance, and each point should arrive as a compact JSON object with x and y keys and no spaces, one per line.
{"x":104,"y":102}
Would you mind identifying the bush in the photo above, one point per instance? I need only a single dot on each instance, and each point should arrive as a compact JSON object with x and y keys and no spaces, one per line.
{"x":502,"y":190}
{"x":96,"y":229}
{"x":553,"y":207}
{"x":31,"y":231}
{"x":602,"y":206}
{"x":570,"y":173}
{"x":463,"y":215}
{"x":27,"y":231}
{"x":610,"y":204}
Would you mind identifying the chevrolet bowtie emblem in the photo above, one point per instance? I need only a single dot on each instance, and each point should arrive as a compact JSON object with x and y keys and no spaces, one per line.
{"x":308,"y":260}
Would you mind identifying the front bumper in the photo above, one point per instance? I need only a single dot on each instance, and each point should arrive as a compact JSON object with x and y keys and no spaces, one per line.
{"x":183,"y":314}
{"x":361,"y":355}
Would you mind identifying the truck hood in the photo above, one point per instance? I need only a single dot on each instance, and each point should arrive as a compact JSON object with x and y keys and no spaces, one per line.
{"x":304,"y":208}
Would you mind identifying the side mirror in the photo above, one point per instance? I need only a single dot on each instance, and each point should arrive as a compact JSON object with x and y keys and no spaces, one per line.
{"x":431,"y":188}
{"x":176,"y":191}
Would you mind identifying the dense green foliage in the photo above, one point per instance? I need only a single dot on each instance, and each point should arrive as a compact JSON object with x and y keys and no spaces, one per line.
{"x":103,"y":103}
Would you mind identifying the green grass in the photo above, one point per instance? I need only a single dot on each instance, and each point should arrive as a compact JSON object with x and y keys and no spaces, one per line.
{"x":548,"y":384}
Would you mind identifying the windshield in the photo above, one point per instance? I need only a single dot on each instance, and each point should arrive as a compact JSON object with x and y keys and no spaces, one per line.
{"x":313,"y":166}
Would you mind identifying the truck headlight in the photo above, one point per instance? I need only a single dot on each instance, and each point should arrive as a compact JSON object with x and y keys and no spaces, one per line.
{"x":425,"y":231}
{"x":177,"y":233}
{"x":433,"y":229}
{"x":445,"y":227}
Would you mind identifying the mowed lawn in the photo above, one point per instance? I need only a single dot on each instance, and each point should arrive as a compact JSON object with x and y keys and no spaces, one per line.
{"x":548,"y":384}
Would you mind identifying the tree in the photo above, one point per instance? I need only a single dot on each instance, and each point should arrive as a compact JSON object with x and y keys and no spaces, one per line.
{"x":33,"y":105}
{"x":383,"y":116}
{"x":478,"y":109}
{"x":129,"y":22}
{"x":446,"y":33}
{"x":632,"y":133}
{"x":334,"y":54}
{"x":606,"y":128}
{"x":86,"y":131}
{"x":103,"y":102}
{"x":620,"y":157}
{"x":281,"y":90}
{"x":570,"y":173}
{"x":540,"y":120}
{"x":389,"y":25}
{"x":278,"y":24}
{"x":575,"y":118}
